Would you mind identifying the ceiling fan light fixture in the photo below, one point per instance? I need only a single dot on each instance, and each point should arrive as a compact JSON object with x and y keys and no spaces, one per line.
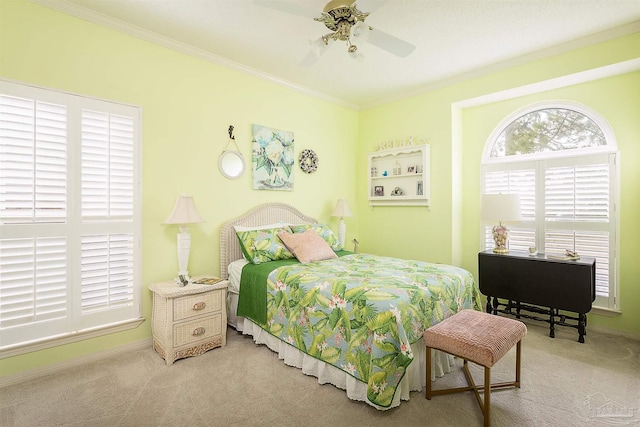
{"x":360,"y":31}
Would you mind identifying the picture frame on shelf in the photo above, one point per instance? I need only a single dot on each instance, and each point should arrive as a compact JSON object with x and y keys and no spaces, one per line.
{"x":411,"y":169}
{"x":378,"y":190}
{"x":419,"y":188}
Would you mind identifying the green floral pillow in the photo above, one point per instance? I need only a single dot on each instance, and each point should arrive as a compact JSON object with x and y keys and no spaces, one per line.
{"x":324,"y":231}
{"x":264,"y":245}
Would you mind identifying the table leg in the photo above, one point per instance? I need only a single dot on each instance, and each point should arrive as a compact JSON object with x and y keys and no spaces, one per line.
{"x":488,"y":305}
{"x":582,"y":327}
{"x":552,"y":321}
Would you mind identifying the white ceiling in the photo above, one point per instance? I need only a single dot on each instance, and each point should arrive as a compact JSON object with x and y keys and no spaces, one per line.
{"x":454,"y":39}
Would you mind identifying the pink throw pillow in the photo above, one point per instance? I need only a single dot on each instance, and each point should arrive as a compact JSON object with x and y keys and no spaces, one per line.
{"x":307,"y":246}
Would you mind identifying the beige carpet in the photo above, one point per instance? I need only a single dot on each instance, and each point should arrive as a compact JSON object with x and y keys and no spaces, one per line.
{"x":565,"y":383}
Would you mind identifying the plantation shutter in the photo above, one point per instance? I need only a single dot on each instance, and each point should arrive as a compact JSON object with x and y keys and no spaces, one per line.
{"x":107,"y":194}
{"x":517,"y":179}
{"x":33,"y":162}
{"x":574,"y":196}
{"x":33,"y":193}
{"x":69,"y":229}
{"x":578,"y":195}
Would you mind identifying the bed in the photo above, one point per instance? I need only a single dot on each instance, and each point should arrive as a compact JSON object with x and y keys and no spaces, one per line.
{"x":333,"y":318}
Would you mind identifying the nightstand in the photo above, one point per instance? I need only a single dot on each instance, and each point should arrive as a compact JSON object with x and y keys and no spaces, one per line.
{"x":189,"y":320}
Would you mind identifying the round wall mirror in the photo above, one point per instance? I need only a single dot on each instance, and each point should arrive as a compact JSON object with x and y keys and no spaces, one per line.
{"x":231,"y":164}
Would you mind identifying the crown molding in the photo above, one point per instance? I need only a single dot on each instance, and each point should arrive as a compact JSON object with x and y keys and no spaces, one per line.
{"x":155,"y":38}
{"x":582,"y":42}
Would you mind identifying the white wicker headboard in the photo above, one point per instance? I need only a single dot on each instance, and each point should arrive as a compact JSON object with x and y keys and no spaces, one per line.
{"x":267,"y":213}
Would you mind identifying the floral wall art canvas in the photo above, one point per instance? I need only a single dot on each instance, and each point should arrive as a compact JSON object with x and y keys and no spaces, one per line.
{"x":272,"y":159}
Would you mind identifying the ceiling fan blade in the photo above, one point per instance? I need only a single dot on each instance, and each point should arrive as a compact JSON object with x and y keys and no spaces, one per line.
{"x":357,"y":56}
{"x":318,"y":48}
{"x":309,"y":60}
{"x":370,"y":5}
{"x":390,"y":43}
{"x":288,"y":7}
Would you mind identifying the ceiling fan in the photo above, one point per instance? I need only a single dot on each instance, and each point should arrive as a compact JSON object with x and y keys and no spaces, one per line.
{"x":346,"y":23}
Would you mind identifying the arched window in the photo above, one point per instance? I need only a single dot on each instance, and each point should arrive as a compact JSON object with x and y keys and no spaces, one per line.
{"x":560,"y":157}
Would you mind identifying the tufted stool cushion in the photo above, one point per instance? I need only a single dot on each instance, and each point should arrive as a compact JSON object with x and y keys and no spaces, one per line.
{"x":479,"y":337}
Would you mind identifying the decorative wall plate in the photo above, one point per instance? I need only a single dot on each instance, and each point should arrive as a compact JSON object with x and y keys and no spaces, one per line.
{"x":308,"y":161}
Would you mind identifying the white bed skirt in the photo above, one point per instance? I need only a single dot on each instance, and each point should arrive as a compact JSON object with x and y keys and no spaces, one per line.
{"x":414,"y":380}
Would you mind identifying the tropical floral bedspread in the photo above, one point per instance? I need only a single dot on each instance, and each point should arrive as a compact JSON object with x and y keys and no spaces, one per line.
{"x":361,"y":312}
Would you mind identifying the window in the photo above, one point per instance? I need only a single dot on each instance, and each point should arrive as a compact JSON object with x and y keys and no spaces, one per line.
{"x":561,"y":159}
{"x":69,"y":216}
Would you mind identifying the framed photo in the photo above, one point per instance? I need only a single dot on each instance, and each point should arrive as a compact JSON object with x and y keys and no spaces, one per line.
{"x":419,"y":189}
{"x":411,"y":169}
{"x":378,"y":190}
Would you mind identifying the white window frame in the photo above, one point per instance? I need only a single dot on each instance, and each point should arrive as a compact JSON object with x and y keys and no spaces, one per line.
{"x":540,"y":162}
{"x":77,"y":325}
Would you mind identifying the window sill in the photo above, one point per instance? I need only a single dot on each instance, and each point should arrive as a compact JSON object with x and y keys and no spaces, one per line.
{"x":17,"y":350}
{"x":607,"y":312}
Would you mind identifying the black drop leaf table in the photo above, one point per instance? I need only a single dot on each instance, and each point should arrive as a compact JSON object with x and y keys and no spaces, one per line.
{"x":529,"y":286}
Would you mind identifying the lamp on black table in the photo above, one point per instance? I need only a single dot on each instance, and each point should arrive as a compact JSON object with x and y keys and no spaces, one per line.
{"x":501,"y":207}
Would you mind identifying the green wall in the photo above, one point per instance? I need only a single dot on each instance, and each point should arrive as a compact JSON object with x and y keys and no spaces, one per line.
{"x":449,"y":231}
{"x":616,"y":99}
{"x":187,"y":107}
{"x":188,"y":104}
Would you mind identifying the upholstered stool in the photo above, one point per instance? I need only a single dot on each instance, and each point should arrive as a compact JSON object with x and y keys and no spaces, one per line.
{"x":481,"y":338}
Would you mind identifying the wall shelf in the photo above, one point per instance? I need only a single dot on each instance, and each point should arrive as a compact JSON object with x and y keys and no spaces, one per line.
{"x":400,"y":177}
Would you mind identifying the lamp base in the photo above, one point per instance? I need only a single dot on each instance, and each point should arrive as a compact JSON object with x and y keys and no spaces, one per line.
{"x":184,"y":246}
{"x":342,"y":231}
{"x":500,"y":238}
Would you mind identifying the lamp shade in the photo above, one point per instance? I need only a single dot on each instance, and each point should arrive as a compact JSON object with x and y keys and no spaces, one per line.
{"x":184,"y":212}
{"x":342,"y":209}
{"x":500,"y":207}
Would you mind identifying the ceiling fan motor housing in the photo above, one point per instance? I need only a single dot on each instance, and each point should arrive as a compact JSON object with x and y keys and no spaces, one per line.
{"x":339,"y":16}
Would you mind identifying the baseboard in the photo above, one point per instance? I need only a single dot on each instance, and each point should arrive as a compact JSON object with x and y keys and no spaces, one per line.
{"x":615,"y":332}
{"x":57,"y":367}
{"x":590,"y":328}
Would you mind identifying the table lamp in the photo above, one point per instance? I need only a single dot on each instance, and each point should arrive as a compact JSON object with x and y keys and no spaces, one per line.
{"x":500,"y":207}
{"x":342,"y":210}
{"x":184,"y":212}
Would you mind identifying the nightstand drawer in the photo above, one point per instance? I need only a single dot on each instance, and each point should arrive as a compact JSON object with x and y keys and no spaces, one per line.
{"x":196,"y":305}
{"x":197,"y":330}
